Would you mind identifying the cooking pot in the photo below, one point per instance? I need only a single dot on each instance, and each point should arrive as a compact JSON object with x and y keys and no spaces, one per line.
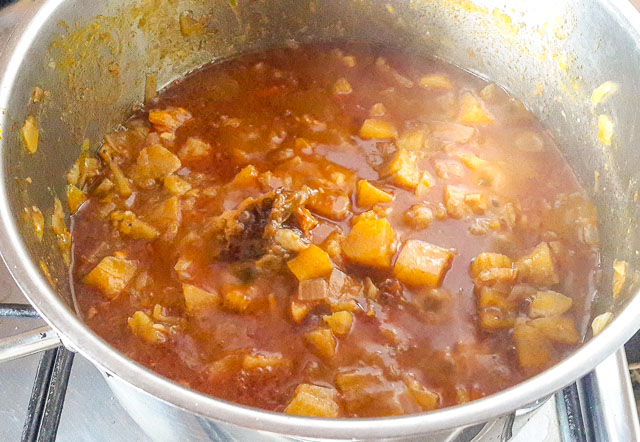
{"x":92,"y":60}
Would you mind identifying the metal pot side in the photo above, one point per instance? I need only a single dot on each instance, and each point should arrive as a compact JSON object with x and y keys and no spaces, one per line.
{"x":93,"y":58}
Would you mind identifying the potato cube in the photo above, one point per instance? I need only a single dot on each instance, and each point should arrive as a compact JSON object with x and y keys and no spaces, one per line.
{"x":377,"y":129}
{"x":557,"y":329}
{"x":313,"y":290}
{"x":341,"y":87}
{"x":299,"y":311}
{"x":141,"y":325}
{"x":312,"y":262}
{"x":619,"y":276}
{"x":492,"y":298}
{"x":370,"y":243}
{"x":471,"y":110}
{"x":496,"y":275}
{"x":247,"y":177}
{"x":428,"y":400}
{"x":237,"y":300}
{"x":454,"y":202}
{"x":111,"y":275}
{"x":339,"y":322}
{"x":414,"y":140}
{"x":130,"y":225}
{"x":418,"y":216}
{"x":155,"y":162}
{"x":403,"y":169}
{"x":549,"y":303}
{"x":377,"y":110}
{"x":194,"y":149}
{"x":228,"y":364}
{"x":476,"y":202}
{"x":176,"y":185}
{"x":75,"y":198}
{"x":487,"y":261}
{"x":366,"y":389}
{"x":370,"y":195}
{"x":30,"y":134}
{"x":323,"y":342}
{"x":532,"y":346}
{"x":167,"y":214}
{"x":472,"y":161}
{"x":330,"y":203}
{"x":168,"y":120}
{"x":537,"y":267}
{"x":421,"y":263}
{"x":311,"y":400}
{"x":436,"y":81}
{"x":270,"y":361}
{"x":495,"y":319}
{"x":197,"y":299}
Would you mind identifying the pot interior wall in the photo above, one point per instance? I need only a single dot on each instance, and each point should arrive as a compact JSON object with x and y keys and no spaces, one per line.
{"x":92,"y":58}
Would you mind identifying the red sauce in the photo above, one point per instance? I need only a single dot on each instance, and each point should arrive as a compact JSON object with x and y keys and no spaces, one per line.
{"x":295,"y":130}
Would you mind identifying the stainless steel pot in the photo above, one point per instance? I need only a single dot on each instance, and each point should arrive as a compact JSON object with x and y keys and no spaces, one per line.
{"x":93,"y":57}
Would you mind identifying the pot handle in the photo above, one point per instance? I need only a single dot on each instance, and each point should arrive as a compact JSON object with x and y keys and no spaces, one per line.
{"x":29,"y":342}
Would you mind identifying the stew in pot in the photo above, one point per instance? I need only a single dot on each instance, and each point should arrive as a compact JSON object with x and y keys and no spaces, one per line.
{"x":334,"y":230}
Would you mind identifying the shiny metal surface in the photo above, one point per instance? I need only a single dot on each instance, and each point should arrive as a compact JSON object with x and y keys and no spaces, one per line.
{"x":598,"y":39}
{"x":27,"y":343}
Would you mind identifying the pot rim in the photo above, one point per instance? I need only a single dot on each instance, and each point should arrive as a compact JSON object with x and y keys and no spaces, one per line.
{"x":79,"y":337}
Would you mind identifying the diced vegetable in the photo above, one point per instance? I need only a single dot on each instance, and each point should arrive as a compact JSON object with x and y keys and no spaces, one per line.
{"x":121,"y":181}
{"x":549,"y":303}
{"x":247,"y":177}
{"x":487,"y":261}
{"x":452,"y":132}
{"x":403,"y":169}
{"x":30,"y":134}
{"x":305,"y":219}
{"x":312,"y":262}
{"x":531,"y":345}
{"x":38,"y":222}
{"x":194,"y":149}
{"x":428,"y":400}
{"x":538,"y":267}
{"x":418,"y":216}
{"x":600,"y":322}
{"x":155,"y":163}
{"x":260,"y":361}
{"x":472,"y":161}
{"x":128,"y":224}
{"x":299,"y":311}
{"x":176,"y":185}
{"x":168,"y":120}
{"x":377,"y":110}
{"x":370,"y":195}
{"x":490,"y":297}
{"x":471,"y":110}
{"x":421,"y":263}
{"x":454,"y":202}
{"x":436,"y":81}
{"x":228,"y":364}
{"x":370,"y":243}
{"x":377,"y":129}
{"x":75,"y":198}
{"x":342,"y":87}
{"x":619,"y":276}
{"x":111,"y":275}
{"x":558,"y":329}
{"x":362,"y":387}
{"x":313,"y":290}
{"x":414,"y":140}
{"x":477,"y":202}
{"x":605,"y":129}
{"x":323,"y":342}
{"x":167,"y":214}
{"x":290,"y":240}
{"x":105,"y":186}
{"x":312,"y":400}
{"x":237,"y":300}
{"x":141,"y":325}
{"x":495,"y":319}
{"x":496,"y":275}
{"x":330,"y":203}
{"x":197,"y":299}
{"x":339,"y":322}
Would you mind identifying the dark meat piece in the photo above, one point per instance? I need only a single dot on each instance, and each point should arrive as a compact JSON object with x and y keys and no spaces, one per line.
{"x":247,"y":233}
